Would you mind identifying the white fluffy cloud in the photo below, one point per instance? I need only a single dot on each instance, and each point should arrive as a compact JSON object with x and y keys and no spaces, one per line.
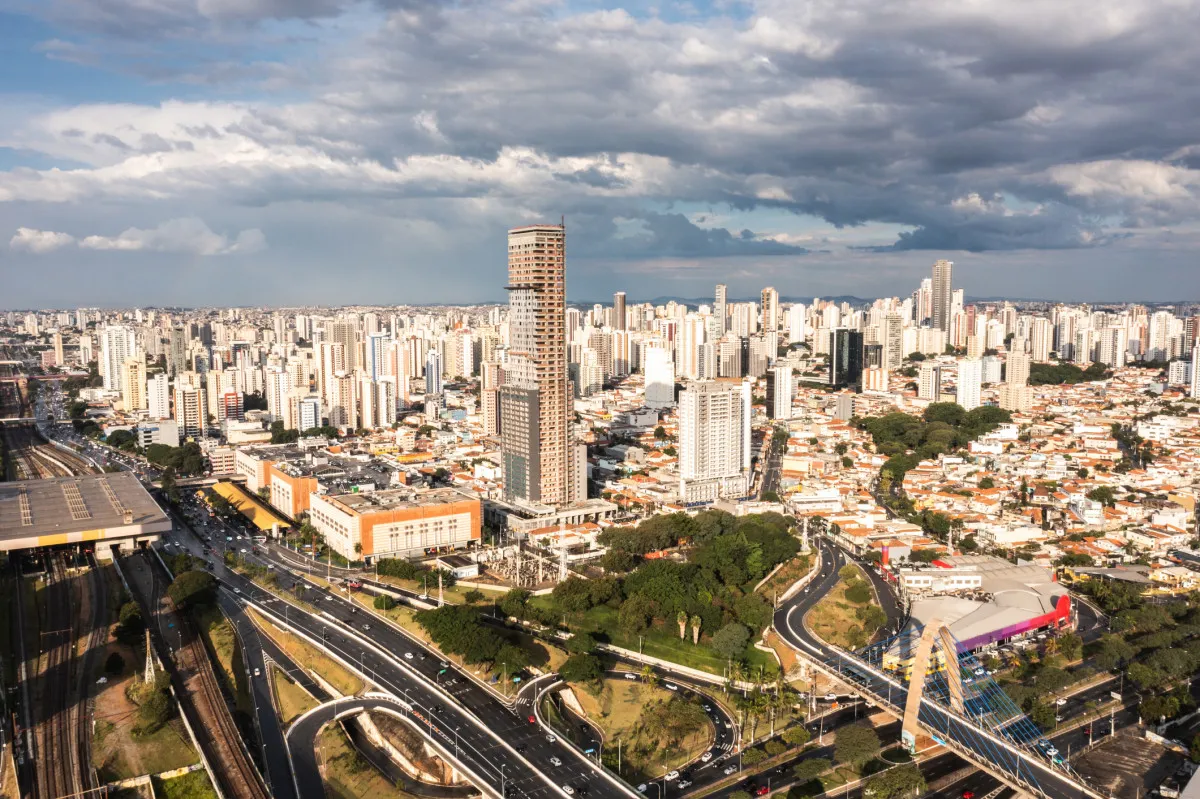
{"x":187,"y":236}
{"x":29,"y":239}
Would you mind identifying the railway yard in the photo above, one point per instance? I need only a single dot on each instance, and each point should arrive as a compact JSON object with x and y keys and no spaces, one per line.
{"x":28,"y":456}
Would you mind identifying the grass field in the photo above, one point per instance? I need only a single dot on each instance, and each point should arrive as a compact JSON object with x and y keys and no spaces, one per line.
{"x":223,"y":642}
{"x":194,"y":785}
{"x":662,"y":642}
{"x":617,"y":710}
{"x":291,"y":700}
{"x":309,"y":657}
{"x":347,"y":774}
{"x":835,"y":619}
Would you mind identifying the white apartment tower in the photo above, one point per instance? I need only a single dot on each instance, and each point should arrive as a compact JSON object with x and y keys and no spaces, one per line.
{"x":714,"y":440}
{"x":970,"y":383}
{"x":117,"y":344}
{"x":158,"y":397}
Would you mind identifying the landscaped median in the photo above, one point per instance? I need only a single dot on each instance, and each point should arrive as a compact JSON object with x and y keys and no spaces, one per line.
{"x":308,"y":656}
{"x":848,"y":616}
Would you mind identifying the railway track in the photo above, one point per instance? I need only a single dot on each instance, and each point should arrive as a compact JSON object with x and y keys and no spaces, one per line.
{"x":36,"y":459}
{"x":217,"y":732}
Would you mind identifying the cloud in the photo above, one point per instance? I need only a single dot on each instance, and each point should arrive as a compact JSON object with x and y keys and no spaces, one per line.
{"x":987,"y":127}
{"x":186,"y":236}
{"x":39,"y":241}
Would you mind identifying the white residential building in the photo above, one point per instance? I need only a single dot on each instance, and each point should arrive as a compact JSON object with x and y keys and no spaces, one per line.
{"x":714,"y":440}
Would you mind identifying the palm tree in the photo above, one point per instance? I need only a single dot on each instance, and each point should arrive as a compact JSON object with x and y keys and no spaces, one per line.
{"x":682,"y":619}
{"x":737,"y":673}
{"x":648,"y":676}
{"x":696,"y":630}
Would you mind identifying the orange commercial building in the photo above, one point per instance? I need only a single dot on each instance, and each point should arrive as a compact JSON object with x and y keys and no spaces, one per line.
{"x":396,"y":523}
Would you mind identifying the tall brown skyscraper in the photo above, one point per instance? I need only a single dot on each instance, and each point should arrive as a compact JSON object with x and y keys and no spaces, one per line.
{"x":943,"y":277}
{"x":619,"y":311}
{"x":540,"y":459}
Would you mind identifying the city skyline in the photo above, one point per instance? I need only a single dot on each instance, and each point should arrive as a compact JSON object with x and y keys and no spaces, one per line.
{"x":327,"y":152}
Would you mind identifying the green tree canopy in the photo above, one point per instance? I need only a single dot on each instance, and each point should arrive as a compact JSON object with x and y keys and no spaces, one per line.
{"x":856,"y":744}
{"x":192,"y":589}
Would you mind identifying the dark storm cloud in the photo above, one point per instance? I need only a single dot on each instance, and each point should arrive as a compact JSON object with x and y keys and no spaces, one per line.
{"x":986,"y":127}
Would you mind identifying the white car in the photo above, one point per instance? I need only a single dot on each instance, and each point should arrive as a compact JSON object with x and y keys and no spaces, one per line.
{"x":707,"y":756}
{"x":257,"y":673}
{"x":554,"y":761}
{"x":408,"y":655}
{"x":568,"y":790}
{"x":730,"y":770}
{"x":1060,"y":701}
{"x":629,"y":675}
{"x":672,"y":775}
{"x":642,"y":788}
{"x":551,"y":739}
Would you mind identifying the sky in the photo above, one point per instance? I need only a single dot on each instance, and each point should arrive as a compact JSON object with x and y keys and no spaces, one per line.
{"x":280,"y":152}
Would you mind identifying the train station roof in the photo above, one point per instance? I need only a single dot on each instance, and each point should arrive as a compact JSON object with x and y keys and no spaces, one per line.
{"x":70,"y":510}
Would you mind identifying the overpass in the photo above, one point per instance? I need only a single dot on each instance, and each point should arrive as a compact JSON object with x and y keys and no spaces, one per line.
{"x":968,"y":714}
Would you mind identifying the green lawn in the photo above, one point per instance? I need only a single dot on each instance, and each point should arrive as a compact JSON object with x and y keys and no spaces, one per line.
{"x":194,"y":785}
{"x":661,"y":642}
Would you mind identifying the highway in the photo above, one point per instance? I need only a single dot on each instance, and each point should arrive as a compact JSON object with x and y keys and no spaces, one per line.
{"x":494,"y":742}
{"x":997,"y":753}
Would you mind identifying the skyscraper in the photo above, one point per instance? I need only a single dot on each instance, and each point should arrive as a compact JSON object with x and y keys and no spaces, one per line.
{"x":158,"y":397}
{"x":618,"y":321}
{"x":893,"y":341}
{"x":714,"y":440}
{"x":845,"y":358}
{"x":770,"y":309}
{"x":538,"y":456}
{"x":719,"y":311}
{"x":943,"y":276}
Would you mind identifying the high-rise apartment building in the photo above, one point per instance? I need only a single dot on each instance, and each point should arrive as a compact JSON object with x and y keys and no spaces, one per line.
{"x":845,"y":358}
{"x":720,"y":313}
{"x":1195,"y":392}
{"x":539,"y":457}
{"x":618,"y":320}
{"x":893,"y":341}
{"x":714,"y":440}
{"x":929,"y":382}
{"x":943,"y":276}
{"x":343,"y":333}
{"x":779,"y":392}
{"x":770,"y":309}
{"x":133,"y":384}
{"x":191,"y":410}
{"x":158,"y":397}
{"x":970,"y":383}
{"x":660,"y":377}
{"x":117,"y":344}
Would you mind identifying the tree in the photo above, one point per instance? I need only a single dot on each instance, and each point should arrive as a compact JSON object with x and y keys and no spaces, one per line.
{"x":193,"y":589}
{"x":384,"y":602}
{"x":1194,"y":751}
{"x":730,"y":641}
{"x":1042,"y":715}
{"x":797,"y":735}
{"x":473,"y":596}
{"x":581,"y":643}
{"x":808,"y":770}
{"x":514,"y":603}
{"x":169,"y":488}
{"x":987,"y":482}
{"x":1114,"y":652}
{"x":856,"y":744}
{"x":896,"y":783}
{"x":1071,"y":646}
{"x":696,"y":622}
{"x":581,"y":668}
{"x":130,"y":624}
{"x":636,"y":613}
{"x":848,"y":572}
{"x":1104,"y":495}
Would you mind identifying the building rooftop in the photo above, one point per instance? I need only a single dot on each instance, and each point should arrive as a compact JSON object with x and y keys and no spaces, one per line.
{"x":398,"y":499}
{"x":84,"y":504}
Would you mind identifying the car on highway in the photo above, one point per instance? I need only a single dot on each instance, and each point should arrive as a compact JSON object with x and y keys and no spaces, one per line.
{"x":408,"y":655}
{"x":642,"y":788}
{"x":568,"y":790}
{"x":554,"y":761}
{"x":683,"y":784}
{"x":532,"y":719}
{"x":629,"y":675}
{"x":968,"y":794}
{"x":707,"y":756}
{"x":257,"y":673}
{"x":731,"y":769}
{"x":551,"y":739}
{"x":671,"y":775}
{"x":1060,"y":701}
{"x":670,"y":686}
